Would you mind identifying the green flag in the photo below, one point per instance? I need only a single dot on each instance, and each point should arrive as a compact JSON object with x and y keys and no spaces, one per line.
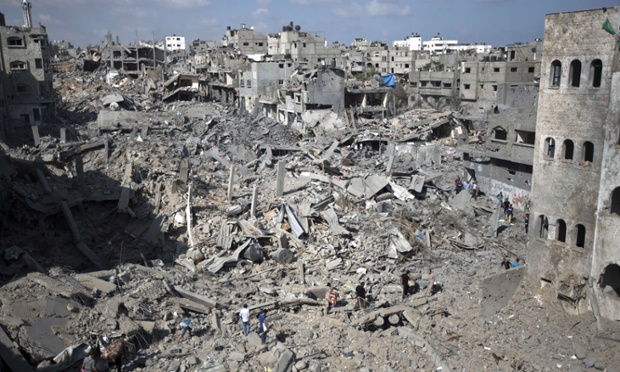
{"x":608,"y":27}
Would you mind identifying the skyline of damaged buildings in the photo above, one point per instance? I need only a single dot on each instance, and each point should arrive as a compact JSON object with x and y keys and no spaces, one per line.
{"x":546,"y":114}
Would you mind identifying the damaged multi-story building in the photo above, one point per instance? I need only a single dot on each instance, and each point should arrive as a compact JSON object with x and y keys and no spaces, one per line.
{"x":499,"y":96}
{"x":575,"y":213}
{"x":27,"y":92}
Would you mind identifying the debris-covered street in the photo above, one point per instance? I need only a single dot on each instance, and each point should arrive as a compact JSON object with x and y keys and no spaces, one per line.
{"x":151,"y":211}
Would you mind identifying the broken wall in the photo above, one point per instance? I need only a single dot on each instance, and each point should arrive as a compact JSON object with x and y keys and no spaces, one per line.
{"x":606,"y":252}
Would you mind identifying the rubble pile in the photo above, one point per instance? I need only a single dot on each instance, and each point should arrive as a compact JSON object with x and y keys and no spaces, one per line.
{"x":150,"y":211}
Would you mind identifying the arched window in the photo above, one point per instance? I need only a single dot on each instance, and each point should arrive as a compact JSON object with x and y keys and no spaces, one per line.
{"x":549,"y":147}
{"x":596,"y":73}
{"x":556,"y":73}
{"x":588,"y":151}
{"x":580,"y":236}
{"x":615,"y":201}
{"x":543,"y":226}
{"x":18,"y":65}
{"x":567,"y":149}
{"x":611,"y":278}
{"x":560,"y":234}
{"x":575,"y":73}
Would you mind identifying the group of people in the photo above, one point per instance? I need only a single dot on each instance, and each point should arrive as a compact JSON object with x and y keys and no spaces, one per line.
{"x":506,"y":264}
{"x":409,"y":284}
{"x":263,"y":328}
{"x":470,"y":187}
{"x":98,"y":361}
{"x":509,"y":211}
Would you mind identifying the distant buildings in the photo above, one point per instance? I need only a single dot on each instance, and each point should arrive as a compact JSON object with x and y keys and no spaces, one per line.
{"x":175,"y":42}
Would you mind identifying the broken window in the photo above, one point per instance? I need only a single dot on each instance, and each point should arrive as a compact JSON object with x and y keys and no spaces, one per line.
{"x":580,"y":236}
{"x":588,"y":151}
{"x":15,"y":41}
{"x":575,"y":73}
{"x":512,"y":55}
{"x":249,"y":83}
{"x":561,"y":231}
{"x":406,"y":65}
{"x":610,"y":279}
{"x":242,"y":83}
{"x":596,"y":73}
{"x":526,"y":137}
{"x":615,"y":201}
{"x":36,"y":113}
{"x":22,"y":88}
{"x":38,"y":63}
{"x":18,"y":65}
{"x":556,"y":73}
{"x":513,"y":69}
{"x":500,"y":134}
{"x":567,"y":149}
{"x":550,"y":147}
{"x":466,"y":86}
{"x":530,"y":70}
{"x":496,"y":69}
{"x":495,"y":88}
{"x":543,"y":227}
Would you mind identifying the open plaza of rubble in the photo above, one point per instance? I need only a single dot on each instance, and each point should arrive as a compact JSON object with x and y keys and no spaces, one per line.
{"x":191,"y":207}
{"x":171,"y":190}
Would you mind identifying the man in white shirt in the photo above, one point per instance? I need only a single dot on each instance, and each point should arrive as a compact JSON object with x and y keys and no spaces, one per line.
{"x":245,"y":319}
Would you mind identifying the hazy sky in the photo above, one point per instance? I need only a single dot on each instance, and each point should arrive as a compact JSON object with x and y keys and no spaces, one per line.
{"x":495,"y":22}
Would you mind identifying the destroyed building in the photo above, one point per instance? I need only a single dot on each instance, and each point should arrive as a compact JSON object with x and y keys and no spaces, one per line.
{"x":259,"y":83}
{"x":28,"y":96}
{"x":304,"y":48}
{"x":133,"y":60}
{"x":503,"y":163}
{"x":575,"y":195}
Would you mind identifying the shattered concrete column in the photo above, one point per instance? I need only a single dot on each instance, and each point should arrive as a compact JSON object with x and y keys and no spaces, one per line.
{"x":231,"y":180}
{"x":254,"y":197}
{"x":188,"y":216}
{"x":35,"y":135}
{"x":280,"y":180}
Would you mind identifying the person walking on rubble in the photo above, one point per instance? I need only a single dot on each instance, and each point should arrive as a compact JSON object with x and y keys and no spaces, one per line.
{"x":509,"y":213}
{"x":116,"y":351}
{"x":360,"y":293}
{"x":262,"y":325}
{"x":185,"y":326}
{"x":474,"y":189}
{"x":331,"y":298}
{"x":245,"y":319}
{"x":431,"y":282}
{"x":527,"y":222}
{"x":88,"y":364}
{"x":404,"y":281}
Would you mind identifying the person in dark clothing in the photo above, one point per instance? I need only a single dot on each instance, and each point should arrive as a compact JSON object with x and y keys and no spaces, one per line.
{"x":506,"y":205}
{"x":506,"y":264}
{"x":527,"y":222}
{"x":404,"y":281}
{"x":509,"y":212}
{"x":360,"y":293}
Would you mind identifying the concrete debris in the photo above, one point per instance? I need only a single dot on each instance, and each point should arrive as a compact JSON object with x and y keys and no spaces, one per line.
{"x":154,"y":207}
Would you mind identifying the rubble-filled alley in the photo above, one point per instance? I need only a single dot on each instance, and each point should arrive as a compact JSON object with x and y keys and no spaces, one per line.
{"x":148,"y":211}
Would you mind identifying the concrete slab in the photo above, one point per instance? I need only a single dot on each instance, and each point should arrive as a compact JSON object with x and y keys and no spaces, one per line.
{"x":497,"y":290}
{"x":11,"y":355}
{"x":91,"y":282}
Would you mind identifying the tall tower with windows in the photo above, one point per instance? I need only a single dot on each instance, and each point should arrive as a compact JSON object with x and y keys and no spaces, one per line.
{"x":573,"y":223}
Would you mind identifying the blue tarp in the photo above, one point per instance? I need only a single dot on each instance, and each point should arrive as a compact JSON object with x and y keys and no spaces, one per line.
{"x":388,"y":80}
